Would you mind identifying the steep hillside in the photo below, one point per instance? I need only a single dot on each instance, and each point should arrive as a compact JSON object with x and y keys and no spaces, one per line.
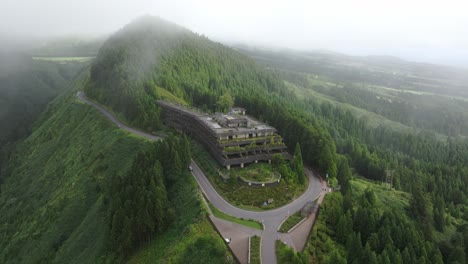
{"x":150,"y":59}
{"x":66,"y":185}
{"x":379,"y":125}
{"x":26,"y":86}
{"x":51,"y":200}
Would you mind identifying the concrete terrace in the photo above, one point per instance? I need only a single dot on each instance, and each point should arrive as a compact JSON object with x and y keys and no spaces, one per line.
{"x":232,"y":138}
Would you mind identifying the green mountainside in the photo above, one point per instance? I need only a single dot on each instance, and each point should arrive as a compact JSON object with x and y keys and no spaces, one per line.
{"x":62,"y":194}
{"x":80,"y":190}
{"x":150,"y":54}
{"x":73,"y":190}
{"x":26,"y":86}
{"x":380,"y":119}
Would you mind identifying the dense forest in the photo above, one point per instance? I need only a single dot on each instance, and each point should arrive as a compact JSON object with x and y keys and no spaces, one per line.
{"x":200,"y":72}
{"x":428,"y":159}
{"x":78,"y":189}
{"x":26,"y":87}
{"x":139,"y":202}
{"x":127,"y":77}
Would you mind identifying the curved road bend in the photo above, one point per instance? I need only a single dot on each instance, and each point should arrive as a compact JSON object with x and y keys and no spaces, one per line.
{"x":271,"y":219}
{"x":114,"y":120}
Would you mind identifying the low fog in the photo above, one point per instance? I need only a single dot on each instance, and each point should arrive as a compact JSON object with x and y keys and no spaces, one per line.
{"x":428,"y":31}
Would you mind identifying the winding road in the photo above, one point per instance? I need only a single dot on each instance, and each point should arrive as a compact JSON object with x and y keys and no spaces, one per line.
{"x":271,"y":219}
{"x":114,"y":120}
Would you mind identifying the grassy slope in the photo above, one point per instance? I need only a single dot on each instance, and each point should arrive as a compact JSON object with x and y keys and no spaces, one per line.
{"x":255,"y":250}
{"x":52,"y":202}
{"x":374,"y":120}
{"x":53,"y":205}
{"x":387,"y":198}
{"x":249,"y":223}
{"x":293,"y":220}
{"x":191,"y":239}
{"x":26,"y":86}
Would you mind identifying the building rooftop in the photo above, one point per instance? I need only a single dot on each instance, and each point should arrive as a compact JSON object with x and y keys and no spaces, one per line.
{"x":221,"y":123}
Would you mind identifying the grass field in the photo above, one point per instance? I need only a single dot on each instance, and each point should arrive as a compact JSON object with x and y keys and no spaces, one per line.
{"x":386,"y":197}
{"x":168,"y":96}
{"x":292,"y":220}
{"x":248,"y":223}
{"x":255,"y":250}
{"x":260,"y":172}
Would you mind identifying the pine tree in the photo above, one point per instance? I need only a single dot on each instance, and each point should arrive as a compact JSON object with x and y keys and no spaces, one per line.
{"x":344,"y":227}
{"x":298,"y":165}
{"x":354,"y":247}
{"x":344,"y":174}
{"x":336,"y":258}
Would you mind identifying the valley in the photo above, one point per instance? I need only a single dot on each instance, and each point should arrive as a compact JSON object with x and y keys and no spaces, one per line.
{"x":91,"y":171}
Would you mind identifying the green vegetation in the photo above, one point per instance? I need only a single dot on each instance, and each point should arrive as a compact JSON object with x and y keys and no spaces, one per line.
{"x":139,"y":204}
{"x":225,"y":102}
{"x":270,"y":139}
{"x":249,"y":197}
{"x":252,"y":146}
{"x":26,"y":86}
{"x":255,"y":250}
{"x":286,"y":255}
{"x":68,"y":185}
{"x":387,"y":198}
{"x":168,"y":96}
{"x":125,"y":77}
{"x":57,"y":207}
{"x":190,"y":239}
{"x":362,"y":230}
{"x":260,"y":172}
{"x":53,"y":206}
{"x":360,"y":227}
{"x":292,"y":220}
{"x":249,"y":223}
{"x":420,"y":136}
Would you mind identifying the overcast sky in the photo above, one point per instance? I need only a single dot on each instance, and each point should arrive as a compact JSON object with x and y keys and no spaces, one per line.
{"x":423,"y":30}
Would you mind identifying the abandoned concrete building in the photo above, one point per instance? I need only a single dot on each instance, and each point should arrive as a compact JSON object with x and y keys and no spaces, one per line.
{"x":234,"y":139}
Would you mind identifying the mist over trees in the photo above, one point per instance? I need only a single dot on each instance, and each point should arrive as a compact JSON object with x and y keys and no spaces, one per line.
{"x":201,"y":72}
{"x":152,"y":59}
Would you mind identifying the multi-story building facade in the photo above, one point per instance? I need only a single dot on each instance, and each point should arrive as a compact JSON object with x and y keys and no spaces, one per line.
{"x":234,"y":139}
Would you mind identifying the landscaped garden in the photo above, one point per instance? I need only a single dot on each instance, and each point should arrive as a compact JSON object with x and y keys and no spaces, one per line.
{"x":292,"y":220}
{"x":259,"y":172}
{"x":239,"y":193}
{"x":255,"y":250}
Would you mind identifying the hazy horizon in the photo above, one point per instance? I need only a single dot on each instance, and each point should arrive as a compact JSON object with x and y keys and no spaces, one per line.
{"x":422,"y":31}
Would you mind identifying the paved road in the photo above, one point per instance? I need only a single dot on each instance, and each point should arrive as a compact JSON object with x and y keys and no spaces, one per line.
{"x":271,"y":219}
{"x":114,"y":120}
